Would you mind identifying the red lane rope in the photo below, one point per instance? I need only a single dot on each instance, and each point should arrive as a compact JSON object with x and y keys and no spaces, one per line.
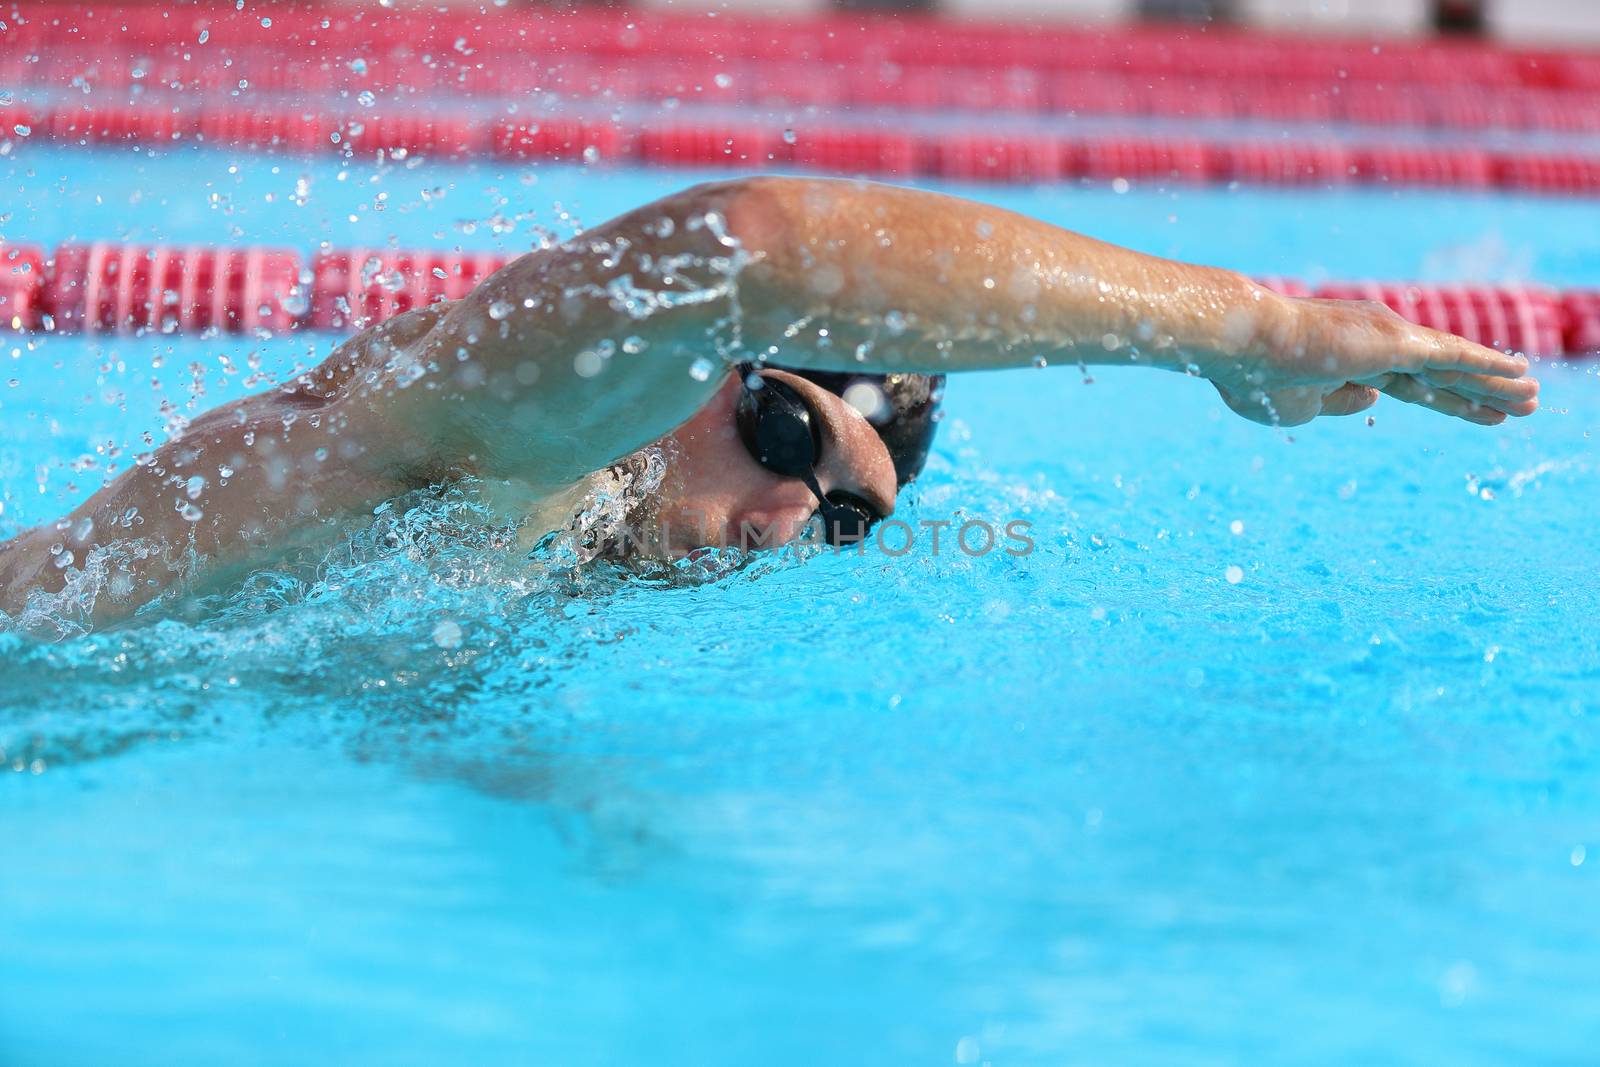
{"x":105,"y":287}
{"x":902,"y":40}
{"x":175,"y":68}
{"x":847,"y":61}
{"x":877,"y":152}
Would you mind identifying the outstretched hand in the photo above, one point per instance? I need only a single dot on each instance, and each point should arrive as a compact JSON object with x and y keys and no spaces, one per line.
{"x":1334,"y":357}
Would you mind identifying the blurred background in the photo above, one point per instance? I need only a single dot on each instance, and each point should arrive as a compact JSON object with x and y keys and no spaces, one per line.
{"x":1553,"y":21}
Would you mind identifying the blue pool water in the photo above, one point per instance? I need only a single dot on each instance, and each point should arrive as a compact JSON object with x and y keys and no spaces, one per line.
{"x":1099,"y":804}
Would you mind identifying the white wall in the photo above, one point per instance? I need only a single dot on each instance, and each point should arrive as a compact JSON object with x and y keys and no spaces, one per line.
{"x":1546,"y":21}
{"x":1380,"y":16}
{"x":1065,"y":10}
{"x":753,"y":7}
{"x":1550,"y":21}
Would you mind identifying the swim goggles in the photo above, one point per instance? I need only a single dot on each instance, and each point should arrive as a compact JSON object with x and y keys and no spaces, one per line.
{"x":784,"y":434}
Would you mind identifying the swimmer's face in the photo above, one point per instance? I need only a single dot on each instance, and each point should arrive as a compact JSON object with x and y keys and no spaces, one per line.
{"x":715,"y":488}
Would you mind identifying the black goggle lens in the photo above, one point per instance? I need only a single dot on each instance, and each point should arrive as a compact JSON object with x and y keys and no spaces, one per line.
{"x":779,"y":429}
{"x":784,"y":435}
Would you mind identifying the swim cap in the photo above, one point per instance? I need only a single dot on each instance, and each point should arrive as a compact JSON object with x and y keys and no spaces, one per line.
{"x":903,"y":408}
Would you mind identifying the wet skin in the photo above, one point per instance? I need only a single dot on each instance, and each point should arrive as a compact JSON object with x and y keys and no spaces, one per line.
{"x":573,"y":357}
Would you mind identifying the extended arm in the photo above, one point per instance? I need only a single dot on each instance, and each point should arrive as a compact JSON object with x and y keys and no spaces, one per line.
{"x":906,"y":279}
{"x":620,"y":328}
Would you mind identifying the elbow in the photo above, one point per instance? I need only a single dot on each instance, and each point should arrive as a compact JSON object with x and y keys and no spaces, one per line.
{"x":758,"y":212}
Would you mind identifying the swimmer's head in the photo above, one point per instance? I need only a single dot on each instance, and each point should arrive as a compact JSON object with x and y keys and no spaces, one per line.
{"x":874,"y":432}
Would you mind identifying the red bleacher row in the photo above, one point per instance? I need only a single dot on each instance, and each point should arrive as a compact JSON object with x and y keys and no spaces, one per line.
{"x":114,"y":288}
{"x":788,"y":83}
{"x":951,"y":154}
{"x":862,"y":40}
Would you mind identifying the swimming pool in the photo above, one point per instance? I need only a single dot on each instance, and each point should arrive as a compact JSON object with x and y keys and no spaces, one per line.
{"x":1279,"y":746}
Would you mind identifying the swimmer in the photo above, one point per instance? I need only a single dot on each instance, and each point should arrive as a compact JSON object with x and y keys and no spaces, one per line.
{"x":784,"y":338}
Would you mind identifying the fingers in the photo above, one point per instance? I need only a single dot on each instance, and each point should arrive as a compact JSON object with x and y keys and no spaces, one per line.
{"x":1365,"y":338}
{"x":1452,"y":353}
{"x":1407,"y":388}
{"x":1349,"y":399}
{"x":1514,"y":396}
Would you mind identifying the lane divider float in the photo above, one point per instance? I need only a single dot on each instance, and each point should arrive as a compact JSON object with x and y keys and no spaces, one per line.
{"x":954,"y":153}
{"x":128,"y":36}
{"x":105,"y":287}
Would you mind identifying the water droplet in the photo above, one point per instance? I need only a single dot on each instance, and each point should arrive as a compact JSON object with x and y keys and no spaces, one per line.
{"x":1579,"y":854}
{"x":634,"y":345}
{"x":64,"y":559}
{"x":789,"y":137}
{"x":500,"y":310}
{"x":266,"y":23}
{"x":447,"y":634}
{"x":358,"y":65}
{"x":868,"y":399}
{"x":191,"y":513}
{"x":366,"y":98}
{"x":194,"y":487}
{"x":22,"y":130}
{"x":723,"y":81}
{"x":700,"y":369}
{"x":591,"y":154}
{"x":1234,"y":575}
{"x":205,"y":35}
{"x":1236,"y":527}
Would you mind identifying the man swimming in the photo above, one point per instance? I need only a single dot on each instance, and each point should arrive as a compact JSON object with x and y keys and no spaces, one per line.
{"x":574,"y":357}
